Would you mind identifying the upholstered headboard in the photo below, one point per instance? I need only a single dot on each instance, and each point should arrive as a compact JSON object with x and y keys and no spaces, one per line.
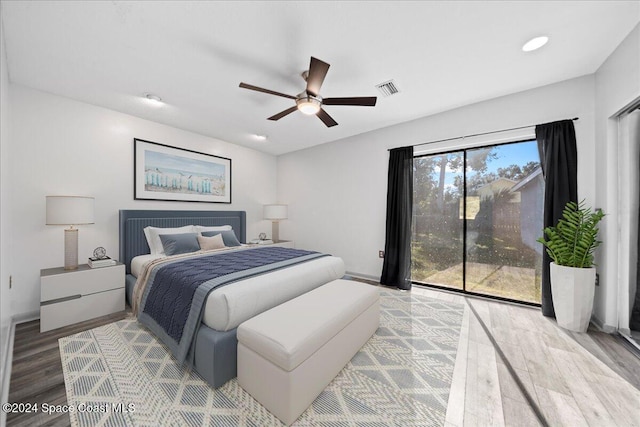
{"x":133,"y":222}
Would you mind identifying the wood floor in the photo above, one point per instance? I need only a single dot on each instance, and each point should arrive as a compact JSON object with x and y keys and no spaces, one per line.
{"x":36,"y":373}
{"x":569,"y":379}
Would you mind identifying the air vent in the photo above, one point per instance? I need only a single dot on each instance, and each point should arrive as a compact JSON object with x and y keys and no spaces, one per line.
{"x":388,"y":88}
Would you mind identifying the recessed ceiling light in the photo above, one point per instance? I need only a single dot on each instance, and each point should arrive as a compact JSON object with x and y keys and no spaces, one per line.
{"x":260,"y":137}
{"x":535,"y":43}
{"x":153,"y":99}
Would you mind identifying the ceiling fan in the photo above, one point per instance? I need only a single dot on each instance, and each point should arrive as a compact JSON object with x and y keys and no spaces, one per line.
{"x":309,"y":101}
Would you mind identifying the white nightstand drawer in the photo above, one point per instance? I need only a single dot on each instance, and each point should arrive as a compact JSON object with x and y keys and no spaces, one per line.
{"x":57,"y":284}
{"x":58,"y":314}
{"x":71,"y":296}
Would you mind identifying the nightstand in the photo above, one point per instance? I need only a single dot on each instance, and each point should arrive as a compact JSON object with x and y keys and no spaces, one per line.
{"x":281,"y":244}
{"x":284,"y":244}
{"x":72,"y":296}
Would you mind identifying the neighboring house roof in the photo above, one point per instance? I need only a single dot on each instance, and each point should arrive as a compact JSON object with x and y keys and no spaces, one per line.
{"x":494,"y":183}
{"x":527,"y":180}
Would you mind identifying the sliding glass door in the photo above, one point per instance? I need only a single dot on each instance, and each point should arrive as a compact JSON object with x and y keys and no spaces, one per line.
{"x":437,"y":246}
{"x":477,"y":215}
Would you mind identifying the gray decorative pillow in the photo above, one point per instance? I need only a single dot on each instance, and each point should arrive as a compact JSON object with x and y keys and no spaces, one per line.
{"x":228,"y":236}
{"x":175,"y":244}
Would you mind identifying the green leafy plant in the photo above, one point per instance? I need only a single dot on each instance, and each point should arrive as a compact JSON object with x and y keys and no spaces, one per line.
{"x":572,"y":242}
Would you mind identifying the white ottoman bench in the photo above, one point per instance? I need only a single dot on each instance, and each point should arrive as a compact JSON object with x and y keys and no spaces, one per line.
{"x":289,"y":354}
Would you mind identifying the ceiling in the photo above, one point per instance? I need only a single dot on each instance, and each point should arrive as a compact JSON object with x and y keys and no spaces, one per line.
{"x":194,"y":54}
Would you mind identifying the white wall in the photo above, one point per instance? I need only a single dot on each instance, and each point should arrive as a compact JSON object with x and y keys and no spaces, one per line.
{"x":5,"y":293}
{"x":61,"y":146}
{"x":337,"y":192}
{"x":617,"y":86}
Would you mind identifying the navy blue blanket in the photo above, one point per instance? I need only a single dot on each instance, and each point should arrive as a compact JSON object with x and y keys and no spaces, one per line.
{"x":173,"y":301}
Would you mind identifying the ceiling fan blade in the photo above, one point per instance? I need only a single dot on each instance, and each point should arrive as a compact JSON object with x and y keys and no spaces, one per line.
{"x":365,"y":101}
{"x":283,"y":113}
{"x":326,"y":119}
{"x":271,"y":92}
{"x":317,"y":72}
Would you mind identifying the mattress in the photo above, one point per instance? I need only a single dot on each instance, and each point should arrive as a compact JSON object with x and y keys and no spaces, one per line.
{"x":138,"y":262}
{"x":227,"y":307}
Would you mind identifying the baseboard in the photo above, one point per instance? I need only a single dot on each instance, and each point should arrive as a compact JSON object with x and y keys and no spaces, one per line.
{"x":26,"y":317}
{"x":609,"y":329}
{"x":363,"y":276}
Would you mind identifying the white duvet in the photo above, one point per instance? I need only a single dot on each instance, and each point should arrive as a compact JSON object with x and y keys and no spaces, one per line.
{"x":227,"y":307}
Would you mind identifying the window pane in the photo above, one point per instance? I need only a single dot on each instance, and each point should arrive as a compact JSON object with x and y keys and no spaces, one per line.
{"x":504,"y":218}
{"x":437,"y":223}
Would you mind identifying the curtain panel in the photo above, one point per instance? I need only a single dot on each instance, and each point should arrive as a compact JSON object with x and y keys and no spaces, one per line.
{"x":559,"y":161}
{"x":396,"y":269}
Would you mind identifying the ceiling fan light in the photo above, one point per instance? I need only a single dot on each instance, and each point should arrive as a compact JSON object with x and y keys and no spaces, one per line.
{"x":308,"y":106}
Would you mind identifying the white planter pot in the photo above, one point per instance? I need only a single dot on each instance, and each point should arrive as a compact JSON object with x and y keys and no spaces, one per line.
{"x":572,"y":291}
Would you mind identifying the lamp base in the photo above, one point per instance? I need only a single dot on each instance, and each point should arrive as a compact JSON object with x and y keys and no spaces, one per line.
{"x":275,"y":231}
{"x":70,"y":248}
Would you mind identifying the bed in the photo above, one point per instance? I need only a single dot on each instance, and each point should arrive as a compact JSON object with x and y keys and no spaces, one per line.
{"x":215,"y":343}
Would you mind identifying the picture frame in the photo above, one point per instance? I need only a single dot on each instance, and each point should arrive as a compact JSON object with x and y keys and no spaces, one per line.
{"x":166,"y":173}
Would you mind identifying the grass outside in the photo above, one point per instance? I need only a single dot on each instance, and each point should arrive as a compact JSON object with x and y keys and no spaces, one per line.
{"x":494,"y":267}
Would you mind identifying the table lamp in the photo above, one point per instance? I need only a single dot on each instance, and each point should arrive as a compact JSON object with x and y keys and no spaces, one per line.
{"x":275,"y":213}
{"x":70,"y":210}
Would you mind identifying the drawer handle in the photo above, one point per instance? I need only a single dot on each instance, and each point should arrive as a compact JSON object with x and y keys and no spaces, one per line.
{"x":55,"y":301}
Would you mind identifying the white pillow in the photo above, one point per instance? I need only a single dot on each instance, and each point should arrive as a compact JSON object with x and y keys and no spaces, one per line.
{"x":153,"y":236}
{"x":202,"y":228}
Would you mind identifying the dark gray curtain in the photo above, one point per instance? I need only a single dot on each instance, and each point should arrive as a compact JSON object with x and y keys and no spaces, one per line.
{"x":396,"y":269}
{"x":559,"y":161}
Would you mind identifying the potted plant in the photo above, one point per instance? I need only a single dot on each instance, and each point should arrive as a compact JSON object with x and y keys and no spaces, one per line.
{"x":571,"y":244}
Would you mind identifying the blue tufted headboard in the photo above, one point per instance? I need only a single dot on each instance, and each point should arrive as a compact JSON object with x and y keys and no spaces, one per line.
{"x":133,"y":222}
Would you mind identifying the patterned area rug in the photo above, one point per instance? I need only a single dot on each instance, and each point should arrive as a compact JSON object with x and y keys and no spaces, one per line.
{"x":120,"y":375}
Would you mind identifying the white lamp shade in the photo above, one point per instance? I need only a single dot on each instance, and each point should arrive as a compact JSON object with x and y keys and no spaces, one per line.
{"x":275,"y":212}
{"x":70,"y":210}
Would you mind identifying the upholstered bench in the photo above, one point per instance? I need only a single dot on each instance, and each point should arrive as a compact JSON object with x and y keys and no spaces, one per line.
{"x":289,"y":354}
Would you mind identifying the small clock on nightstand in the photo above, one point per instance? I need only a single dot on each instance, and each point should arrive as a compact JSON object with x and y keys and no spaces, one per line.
{"x":100,"y":252}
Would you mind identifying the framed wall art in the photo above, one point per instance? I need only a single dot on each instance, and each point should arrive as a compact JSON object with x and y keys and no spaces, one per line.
{"x":162,"y":172}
